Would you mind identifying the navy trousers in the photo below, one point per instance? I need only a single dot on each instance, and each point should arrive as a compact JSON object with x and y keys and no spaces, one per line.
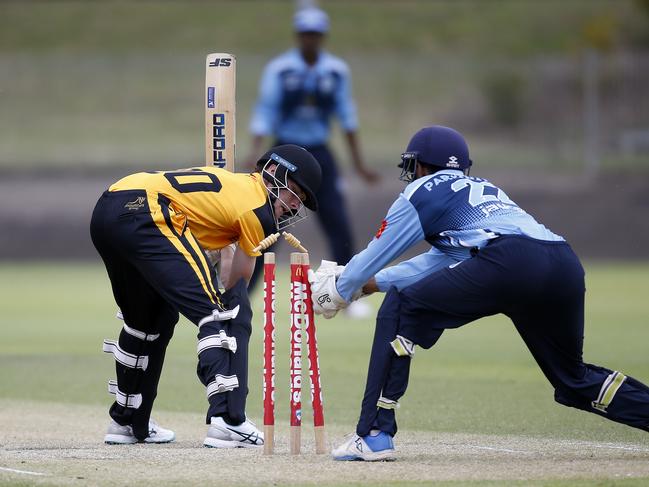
{"x":332,"y":213}
{"x":540,"y":287}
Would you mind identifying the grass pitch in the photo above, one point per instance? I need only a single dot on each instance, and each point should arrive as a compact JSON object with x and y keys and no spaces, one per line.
{"x":478,"y":411}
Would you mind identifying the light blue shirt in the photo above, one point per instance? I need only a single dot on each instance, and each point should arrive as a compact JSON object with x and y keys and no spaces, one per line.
{"x":452,"y":212}
{"x":296,"y":101}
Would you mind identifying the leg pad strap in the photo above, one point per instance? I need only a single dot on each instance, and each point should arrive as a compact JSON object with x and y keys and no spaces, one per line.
{"x":386,"y":403}
{"x":606,"y":394}
{"x":222,"y":383}
{"x":125,"y":358}
{"x":220,"y":315}
{"x":403,"y":347}
{"x":127,"y":400}
{"x":140,"y":334}
{"x":222,"y":340}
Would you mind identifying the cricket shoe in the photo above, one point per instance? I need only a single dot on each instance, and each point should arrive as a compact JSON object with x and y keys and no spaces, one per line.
{"x":370,"y":448}
{"x":223,"y":435}
{"x":123,"y":435}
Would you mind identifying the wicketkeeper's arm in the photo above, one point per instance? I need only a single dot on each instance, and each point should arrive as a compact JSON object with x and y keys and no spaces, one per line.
{"x":326,"y":299}
{"x":410,"y":271}
{"x":369,"y":287}
{"x":400,"y":230}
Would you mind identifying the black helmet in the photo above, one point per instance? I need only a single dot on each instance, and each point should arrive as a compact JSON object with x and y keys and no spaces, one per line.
{"x":436,"y":146}
{"x":298,"y":164}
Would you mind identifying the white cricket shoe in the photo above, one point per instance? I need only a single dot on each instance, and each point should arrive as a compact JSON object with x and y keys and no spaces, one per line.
{"x":123,"y":435}
{"x":370,"y":448}
{"x":359,"y":310}
{"x":223,"y":435}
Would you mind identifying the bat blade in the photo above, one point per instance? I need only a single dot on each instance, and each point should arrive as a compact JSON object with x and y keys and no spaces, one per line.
{"x":220,"y":110}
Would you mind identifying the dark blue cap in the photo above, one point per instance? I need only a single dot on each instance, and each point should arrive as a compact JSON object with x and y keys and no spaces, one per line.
{"x":440,"y":146}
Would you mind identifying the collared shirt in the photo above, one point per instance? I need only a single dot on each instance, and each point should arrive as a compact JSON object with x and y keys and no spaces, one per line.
{"x":296,"y":101}
{"x":454,"y":213}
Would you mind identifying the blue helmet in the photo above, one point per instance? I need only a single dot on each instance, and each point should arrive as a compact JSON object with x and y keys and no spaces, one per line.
{"x":437,"y":146}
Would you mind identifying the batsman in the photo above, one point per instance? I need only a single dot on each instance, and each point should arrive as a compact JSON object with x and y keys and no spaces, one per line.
{"x":154,"y":231}
{"x":487,"y":256}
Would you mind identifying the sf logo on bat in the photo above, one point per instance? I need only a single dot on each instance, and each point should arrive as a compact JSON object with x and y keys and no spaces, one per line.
{"x":223,"y":61}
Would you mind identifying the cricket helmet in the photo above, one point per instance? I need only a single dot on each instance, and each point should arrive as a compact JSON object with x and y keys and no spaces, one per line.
{"x":437,"y":146}
{"x":295,"y":163}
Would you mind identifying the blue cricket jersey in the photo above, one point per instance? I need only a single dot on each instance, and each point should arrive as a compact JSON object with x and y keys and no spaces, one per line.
{"x":454,"y":213}
{"x":296,"y":101}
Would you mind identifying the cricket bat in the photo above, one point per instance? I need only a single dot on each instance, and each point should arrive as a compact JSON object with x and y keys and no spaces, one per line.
{"x":220,"y":110}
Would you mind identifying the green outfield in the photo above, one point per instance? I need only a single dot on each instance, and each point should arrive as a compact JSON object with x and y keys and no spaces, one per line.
{"x":56,"y":316}
{"x":479,"y":380}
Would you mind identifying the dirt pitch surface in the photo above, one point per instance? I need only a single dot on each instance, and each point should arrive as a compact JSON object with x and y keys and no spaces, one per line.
{"x":54,"y":444}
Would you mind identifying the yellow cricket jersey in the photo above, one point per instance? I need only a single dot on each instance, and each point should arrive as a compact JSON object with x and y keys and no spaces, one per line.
{"x":219,"y":207}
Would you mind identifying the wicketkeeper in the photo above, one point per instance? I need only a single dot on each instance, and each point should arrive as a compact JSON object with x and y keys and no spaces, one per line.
{"x":152,"y":230}
{"x":487,"y":256}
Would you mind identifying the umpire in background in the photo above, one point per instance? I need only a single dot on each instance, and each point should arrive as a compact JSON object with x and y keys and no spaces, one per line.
{"x":299,"y":92}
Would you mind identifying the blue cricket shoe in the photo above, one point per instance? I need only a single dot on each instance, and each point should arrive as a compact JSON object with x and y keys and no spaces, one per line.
{"x":374,"y":447}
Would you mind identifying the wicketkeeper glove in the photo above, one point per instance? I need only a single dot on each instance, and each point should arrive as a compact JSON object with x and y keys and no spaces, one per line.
{"x":329,"y":267}
{"x":325,"y":297}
